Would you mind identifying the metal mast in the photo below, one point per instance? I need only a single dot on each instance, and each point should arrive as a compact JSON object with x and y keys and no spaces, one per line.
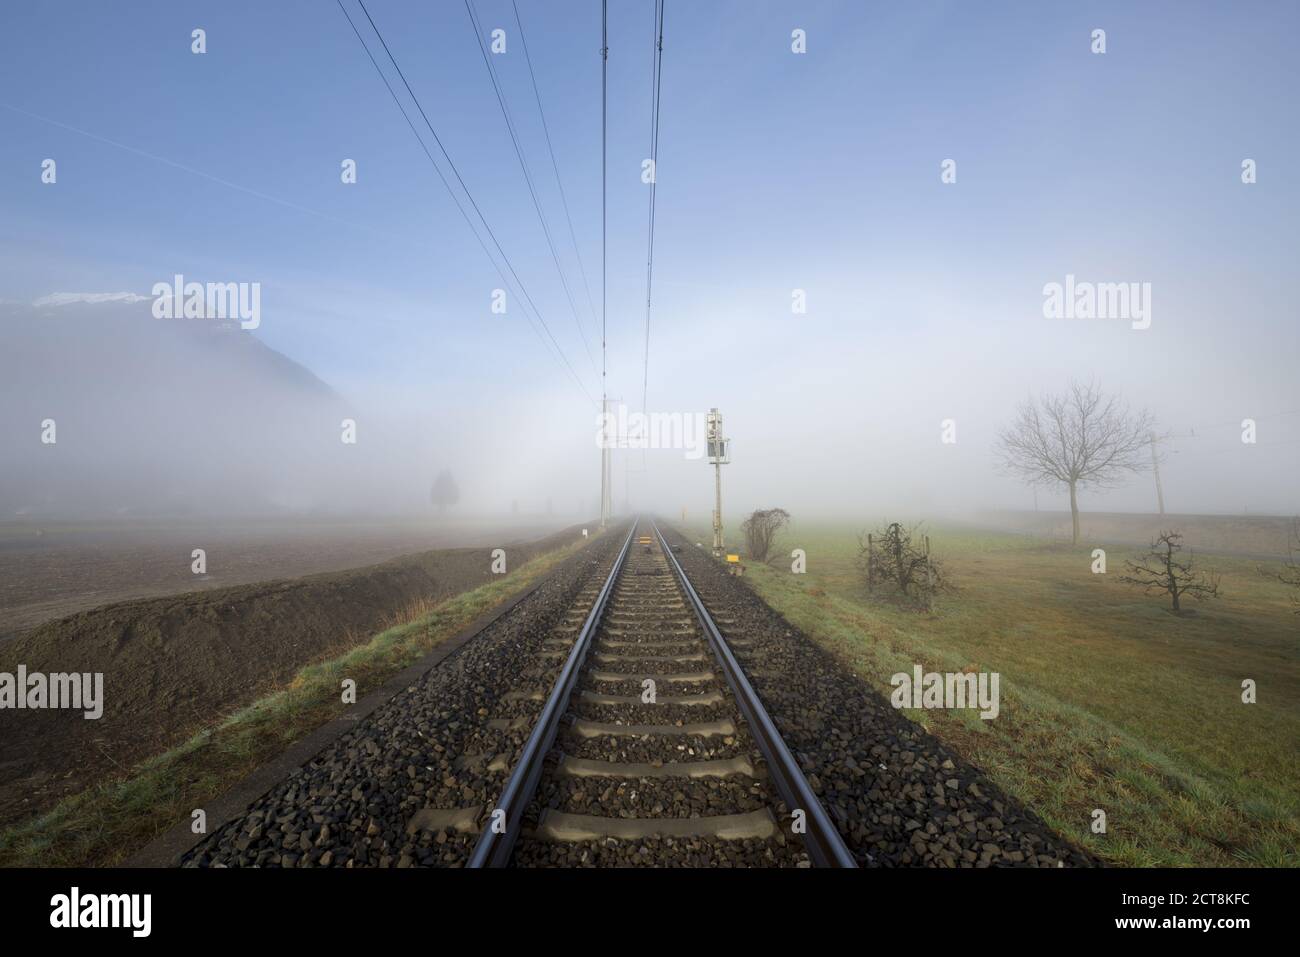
{"x":1155,"y":467}
{"x":605,"y":439}
{"x":718,"y":458}
{"x":606,"y":493}
{"x":1155,"y":461}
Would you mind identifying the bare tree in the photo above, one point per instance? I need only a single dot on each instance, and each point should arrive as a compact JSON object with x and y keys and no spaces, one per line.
{"x":1080,"y":437}
{"x":889,"y":556}
{"x":760,"y":531}
{"x":1159,"y":570}
{"x":1290,"y":572}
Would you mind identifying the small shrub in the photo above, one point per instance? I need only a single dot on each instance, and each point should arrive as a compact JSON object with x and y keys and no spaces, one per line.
{"x":761,"y":529}
{"x":892,"y":562}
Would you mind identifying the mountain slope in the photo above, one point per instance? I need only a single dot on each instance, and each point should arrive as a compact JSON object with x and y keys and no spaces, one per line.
{"x":155,"y":415}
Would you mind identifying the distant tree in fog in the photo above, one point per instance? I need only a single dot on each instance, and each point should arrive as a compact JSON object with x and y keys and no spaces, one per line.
{"x":1290,"y":572}
{"x":1079,"y":437}
{"x":444,"y":491}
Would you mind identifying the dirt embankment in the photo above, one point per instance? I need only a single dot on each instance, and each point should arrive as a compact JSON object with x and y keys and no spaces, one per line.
{"x":173,"y":665}
{"x":53,"y":570}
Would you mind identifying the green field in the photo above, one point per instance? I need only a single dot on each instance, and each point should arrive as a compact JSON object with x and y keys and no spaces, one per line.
{"x":1107,"y":699}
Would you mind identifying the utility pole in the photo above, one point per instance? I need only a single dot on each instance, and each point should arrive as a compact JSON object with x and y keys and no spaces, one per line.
{"x":1155,"y":467}
{"x":717,"y":458}
{"x":605,"y":474}
{"x":604,"y":462}
{"x":611,"y":439}
{"x":1155,"y":461}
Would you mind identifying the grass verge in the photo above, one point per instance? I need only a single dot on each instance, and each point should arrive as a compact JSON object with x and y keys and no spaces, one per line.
{"x":1108,"y":701}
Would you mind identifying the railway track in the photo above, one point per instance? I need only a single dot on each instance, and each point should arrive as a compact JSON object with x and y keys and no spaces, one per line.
{"x":655,"y":732}
{"x":609,"y":725}
{"x":611,"y":719}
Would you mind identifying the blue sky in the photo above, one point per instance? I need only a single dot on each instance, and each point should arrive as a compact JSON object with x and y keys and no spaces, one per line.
{"x":777,"y":171}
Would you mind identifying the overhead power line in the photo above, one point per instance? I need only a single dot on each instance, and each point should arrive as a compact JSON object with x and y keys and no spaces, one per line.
{"x":528,"y":177}
{"x":525,"y":297}
{"x":656,"y":81}
{"x":606,"y":473}
{"x":559,"y":182}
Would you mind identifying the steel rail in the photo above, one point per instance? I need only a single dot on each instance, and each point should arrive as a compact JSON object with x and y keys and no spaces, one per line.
{"x":825,"y":845}
{"x":497,"y":841}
